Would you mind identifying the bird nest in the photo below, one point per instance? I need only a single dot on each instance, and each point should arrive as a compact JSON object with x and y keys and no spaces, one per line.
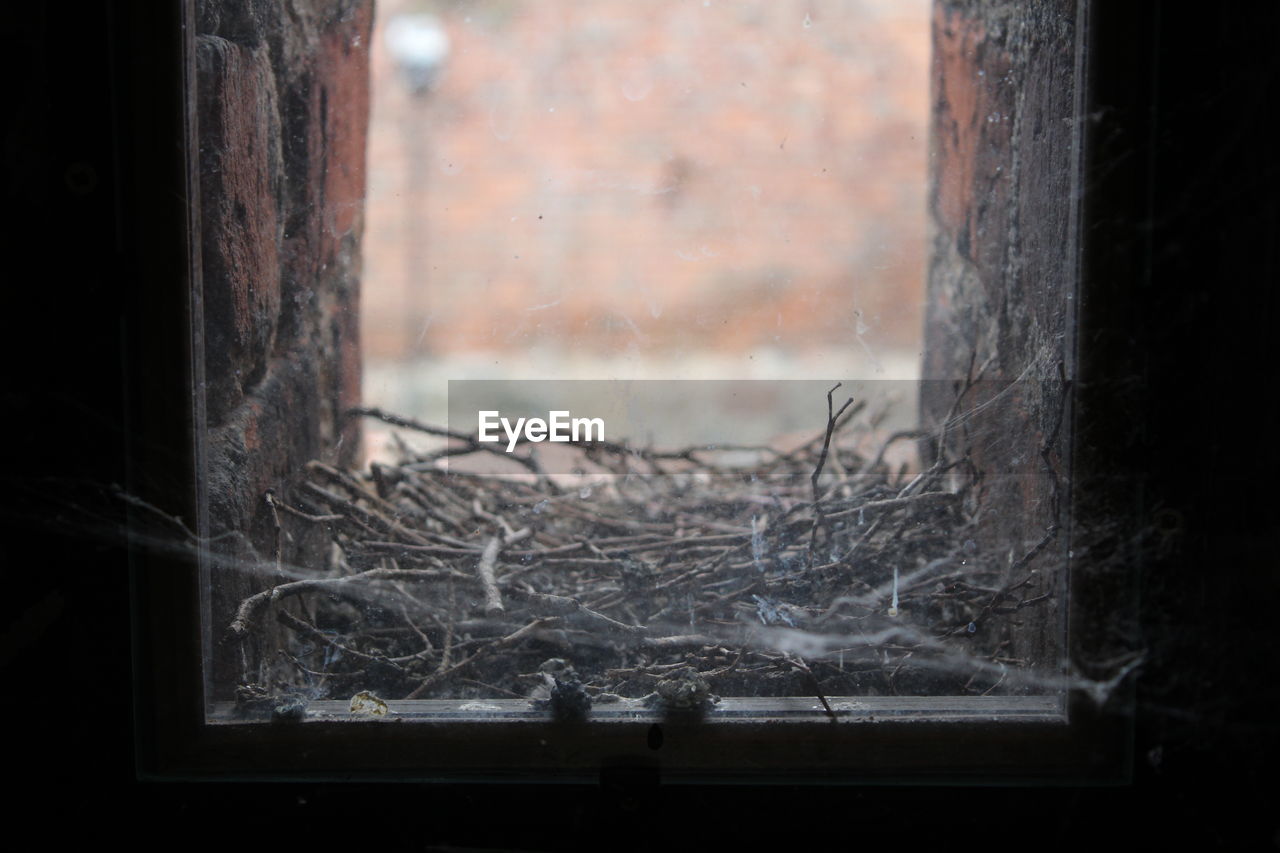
{"x":817,"y":570}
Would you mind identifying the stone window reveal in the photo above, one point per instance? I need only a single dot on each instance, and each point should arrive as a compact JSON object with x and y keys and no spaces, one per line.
{"x":282,"y":109}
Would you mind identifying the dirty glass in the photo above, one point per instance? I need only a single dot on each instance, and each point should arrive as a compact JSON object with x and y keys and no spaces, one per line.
{"x":642,"y":303}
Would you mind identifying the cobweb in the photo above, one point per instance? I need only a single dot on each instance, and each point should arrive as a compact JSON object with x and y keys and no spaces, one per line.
{"x":675,"y":577}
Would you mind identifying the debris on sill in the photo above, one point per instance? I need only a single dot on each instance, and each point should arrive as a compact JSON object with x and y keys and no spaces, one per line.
{"x":367,"y":704}
{"x":291,"y":709}
{"x":683,"y":693}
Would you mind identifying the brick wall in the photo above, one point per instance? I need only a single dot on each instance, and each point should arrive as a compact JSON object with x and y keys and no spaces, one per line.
{"x":658,"y":177}
{"x":283,"y":111}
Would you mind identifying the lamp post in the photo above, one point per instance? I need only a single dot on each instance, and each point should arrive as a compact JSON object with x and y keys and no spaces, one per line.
{"x":419,"y":47}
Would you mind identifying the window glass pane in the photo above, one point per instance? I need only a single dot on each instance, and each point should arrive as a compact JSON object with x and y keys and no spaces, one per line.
{"x":693,"y":231}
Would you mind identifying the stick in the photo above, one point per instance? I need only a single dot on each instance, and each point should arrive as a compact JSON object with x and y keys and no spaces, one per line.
{"x":822,"y":460}
{"x":799,"y":664}
{"x":497,"y":645}
{"x":248,"y":608}
{"x":492,"y":599}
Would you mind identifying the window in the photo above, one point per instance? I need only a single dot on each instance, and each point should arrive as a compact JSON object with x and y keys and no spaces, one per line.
{"x":282,"y":187}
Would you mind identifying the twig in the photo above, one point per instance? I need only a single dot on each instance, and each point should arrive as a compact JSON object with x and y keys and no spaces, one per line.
{"x":310,"y":631}
{"x":492,"y":599}
{"x":495,"y":646}
{"x":249,"y":608}
{"x":822,"y":461}
{"x":799,"y":664}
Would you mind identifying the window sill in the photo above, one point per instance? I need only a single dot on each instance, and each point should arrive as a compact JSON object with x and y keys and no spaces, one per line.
{"x":996,"y":740}
{"x":793,"y":709}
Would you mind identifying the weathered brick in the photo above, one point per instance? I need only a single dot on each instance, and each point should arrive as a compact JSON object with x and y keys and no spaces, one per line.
{"x":261,"y":447}
{"x":686,"y":176}
{"x":325,"y":108}
{"x":1002,"y":277}
{"x":283,"y":116}
{"x":240,"y":199}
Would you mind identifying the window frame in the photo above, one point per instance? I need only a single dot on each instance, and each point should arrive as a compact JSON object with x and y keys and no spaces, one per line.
{"x":1074,"y":743}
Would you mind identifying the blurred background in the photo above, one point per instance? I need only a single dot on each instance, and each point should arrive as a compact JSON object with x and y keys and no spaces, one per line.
{"x":669,"y":189}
